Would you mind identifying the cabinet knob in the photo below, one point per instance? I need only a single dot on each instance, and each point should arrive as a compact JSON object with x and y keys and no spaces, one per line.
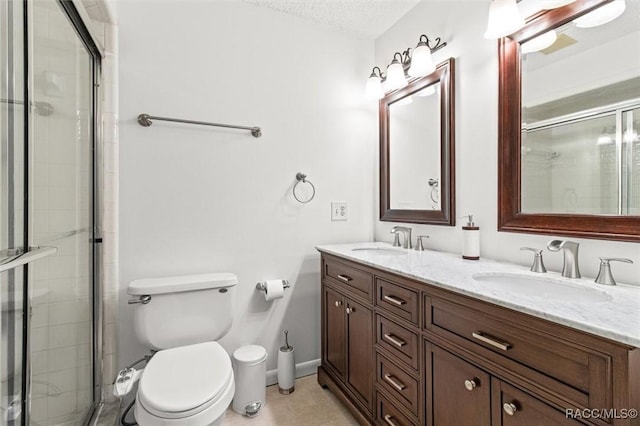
{"x":338,"y":303}
{"x":470,"y":384}
{"x":350,"y":309}
{"x":510,"y":408}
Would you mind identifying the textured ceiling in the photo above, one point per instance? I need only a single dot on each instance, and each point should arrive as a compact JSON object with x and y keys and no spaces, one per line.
{"x":369,"y":18}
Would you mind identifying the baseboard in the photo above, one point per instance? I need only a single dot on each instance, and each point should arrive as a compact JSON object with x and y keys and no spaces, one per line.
{"x":302,"y":369}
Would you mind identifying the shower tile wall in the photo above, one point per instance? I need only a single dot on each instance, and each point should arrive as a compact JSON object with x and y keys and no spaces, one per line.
{"x":567,"y":172}
{"x":61,"y":316}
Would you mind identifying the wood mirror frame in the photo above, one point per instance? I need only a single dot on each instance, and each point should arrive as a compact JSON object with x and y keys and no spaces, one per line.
{"x":445,"y":75}
{"x":510,"y":217}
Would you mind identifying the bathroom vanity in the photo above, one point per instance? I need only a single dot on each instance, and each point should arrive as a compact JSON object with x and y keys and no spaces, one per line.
{"x":412,"y":338}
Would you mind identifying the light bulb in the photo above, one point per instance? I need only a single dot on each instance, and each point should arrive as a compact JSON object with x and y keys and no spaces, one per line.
{"x":504,"y":19}
{"x":601,"y":15}
{"x":395,"y":76}
{"x":539,"y":43}
{"x":421,"y":61}
{"x":374,"y":89}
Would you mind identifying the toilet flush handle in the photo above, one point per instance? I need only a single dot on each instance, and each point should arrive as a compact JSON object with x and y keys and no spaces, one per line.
{"x":143,"y":299}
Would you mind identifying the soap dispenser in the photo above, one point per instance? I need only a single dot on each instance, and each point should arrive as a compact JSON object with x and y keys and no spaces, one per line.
{"x":470,"y":240}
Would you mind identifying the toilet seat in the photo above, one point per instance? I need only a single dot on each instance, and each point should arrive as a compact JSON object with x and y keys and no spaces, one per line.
{"x":184,"y":381}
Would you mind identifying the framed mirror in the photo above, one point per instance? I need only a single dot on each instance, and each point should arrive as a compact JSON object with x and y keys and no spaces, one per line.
{"x":569,"y":118}
{"x":417,"y":150}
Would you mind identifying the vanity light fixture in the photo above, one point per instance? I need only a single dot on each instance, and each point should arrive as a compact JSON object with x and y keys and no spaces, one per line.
{"x":601,"y":15}
{"x":421,"y":60}
{"x":504,"y":19}
{"x":540,"y":42}
{"x":395,"y":72}
{"x":412,"y":63}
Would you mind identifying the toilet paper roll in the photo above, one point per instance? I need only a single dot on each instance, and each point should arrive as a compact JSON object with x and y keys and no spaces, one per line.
{"x":286,"y":370}
{"x":274,"y":289}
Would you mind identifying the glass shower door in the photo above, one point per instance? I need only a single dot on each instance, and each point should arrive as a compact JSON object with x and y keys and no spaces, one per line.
{"x":12,"y":238}
{"x":49,"y":345}
{"x":61,"y":215}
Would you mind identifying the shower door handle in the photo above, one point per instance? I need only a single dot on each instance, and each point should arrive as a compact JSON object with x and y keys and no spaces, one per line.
{"x":34,"y":253}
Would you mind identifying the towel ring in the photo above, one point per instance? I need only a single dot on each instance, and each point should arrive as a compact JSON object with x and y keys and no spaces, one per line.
{"x":434,"y":183}
{"x":301,"y":177}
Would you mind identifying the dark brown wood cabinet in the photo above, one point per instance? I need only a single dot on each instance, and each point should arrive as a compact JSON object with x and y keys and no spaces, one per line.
{"x":335,"y":322}
{"x":460,"y":393}
{"x":513,"y":407}
{"x":359,"y":354}
{"x":397,"y":351}
{"x":347,"y":334}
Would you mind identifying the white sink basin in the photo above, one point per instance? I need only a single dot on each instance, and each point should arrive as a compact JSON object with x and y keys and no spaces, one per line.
{"x":546,"y":288}
{"x":383,"y":251}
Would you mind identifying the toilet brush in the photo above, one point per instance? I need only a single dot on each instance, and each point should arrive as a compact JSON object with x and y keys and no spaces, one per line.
{"x":286,"y":367}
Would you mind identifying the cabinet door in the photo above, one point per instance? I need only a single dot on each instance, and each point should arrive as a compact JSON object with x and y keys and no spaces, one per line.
{"x":360,"y":354}
{"x":335,"y":350}
{"x":460,"y":392}
{"x":512,"y":407}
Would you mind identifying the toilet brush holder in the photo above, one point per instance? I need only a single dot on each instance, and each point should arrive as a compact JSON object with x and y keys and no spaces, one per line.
{"x":286,"y":367}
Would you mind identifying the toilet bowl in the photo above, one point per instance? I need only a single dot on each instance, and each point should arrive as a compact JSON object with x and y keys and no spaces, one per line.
{"x":190,"y":385}
{"x":189,"y":380}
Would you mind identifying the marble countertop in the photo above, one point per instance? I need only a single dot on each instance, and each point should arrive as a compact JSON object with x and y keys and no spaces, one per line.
{"x":614,"y":313}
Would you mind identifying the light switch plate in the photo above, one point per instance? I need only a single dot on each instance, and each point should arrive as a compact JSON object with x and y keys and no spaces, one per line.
{"x":339,"y":210}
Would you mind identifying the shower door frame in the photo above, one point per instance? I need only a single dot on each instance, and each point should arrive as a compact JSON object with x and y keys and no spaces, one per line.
{"x":84,"y":34}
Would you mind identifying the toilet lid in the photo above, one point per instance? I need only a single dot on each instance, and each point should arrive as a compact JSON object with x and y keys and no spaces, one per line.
{"x":183,"y":381}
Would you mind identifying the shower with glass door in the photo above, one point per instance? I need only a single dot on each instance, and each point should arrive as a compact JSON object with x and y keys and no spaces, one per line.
{"x":49,"y":223}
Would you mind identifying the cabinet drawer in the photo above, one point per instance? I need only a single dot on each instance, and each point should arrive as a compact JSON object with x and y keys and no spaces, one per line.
{"x":399,"y":300}
{"x":401,"y":385}
{"x":400,"y":342}
{"x":516,"y":408}
{"x":358,"y":281}
{"x":570,"y":364}
{"x":388,"y":414}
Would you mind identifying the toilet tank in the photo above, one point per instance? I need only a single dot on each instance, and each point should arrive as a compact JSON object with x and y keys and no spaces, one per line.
{"x":183,"y":310}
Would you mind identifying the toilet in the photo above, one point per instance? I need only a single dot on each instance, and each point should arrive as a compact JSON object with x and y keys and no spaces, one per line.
{"x":189,"y":381}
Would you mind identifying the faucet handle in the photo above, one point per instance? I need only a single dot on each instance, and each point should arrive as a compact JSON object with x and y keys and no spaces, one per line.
{"x":419,"y":246}
{"x":538,"y":263}
{"x":396,"y":239}
{"x":604,"y":274}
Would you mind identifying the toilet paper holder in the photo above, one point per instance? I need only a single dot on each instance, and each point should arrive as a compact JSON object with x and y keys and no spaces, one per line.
{"x":262,"y":286}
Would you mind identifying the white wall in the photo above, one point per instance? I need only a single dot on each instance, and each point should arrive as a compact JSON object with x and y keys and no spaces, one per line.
{"x":198,"y":199}
{"x":477,"y":139}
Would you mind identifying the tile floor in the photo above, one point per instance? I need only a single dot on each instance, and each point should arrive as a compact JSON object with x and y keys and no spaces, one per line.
{"x":308,"y":405}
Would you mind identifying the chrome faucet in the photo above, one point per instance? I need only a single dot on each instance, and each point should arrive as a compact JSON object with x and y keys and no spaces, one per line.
{"x":604,"y":274}
{"x":538,"y":263}
{"x":406,"y":232}
{"x":570,"y":269}
{"x":419,"y":246}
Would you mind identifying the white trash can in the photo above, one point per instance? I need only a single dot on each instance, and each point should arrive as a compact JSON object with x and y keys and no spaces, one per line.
{"x":250,"y":370}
